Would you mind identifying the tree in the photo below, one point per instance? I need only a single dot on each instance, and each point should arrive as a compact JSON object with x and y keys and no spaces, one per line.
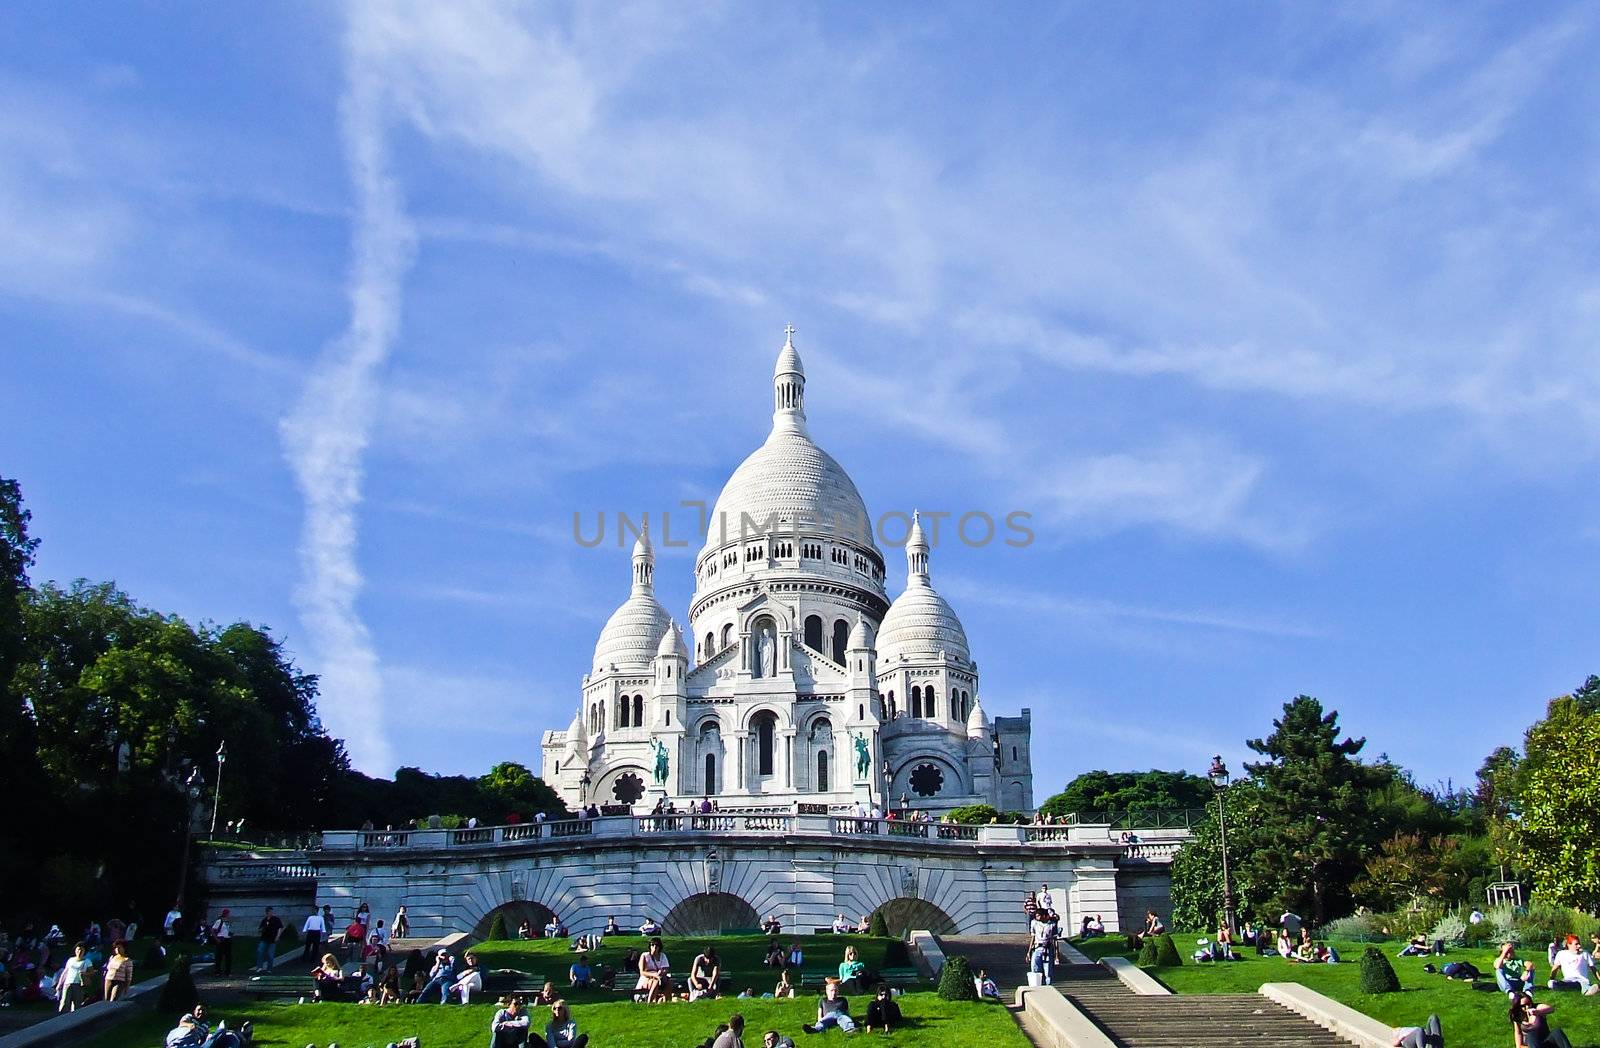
{"x":1105,"y":791}
{"x":1559,"y":800}
{"x":1197,"y":895}
{"x":18,"y":763}
{"x":512,"y":788}
{"x":1167,"y":955}
{"x":1314,"y":810}
{"x":1409,"y":866}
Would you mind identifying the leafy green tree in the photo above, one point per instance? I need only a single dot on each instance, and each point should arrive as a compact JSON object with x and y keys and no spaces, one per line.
{"x":511,"y":788}
{"x":975,"y":814}
{"x":18,"y":762}
{"x":1409,"y":867}
{"x":1314,"y":810}
{"x":1197,"y":895}
{"x":1106,"y":791}
{"x":1559,"y":800}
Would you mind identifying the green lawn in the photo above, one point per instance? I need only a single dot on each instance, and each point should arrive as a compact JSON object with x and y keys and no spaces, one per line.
{"x":931,"y":1023}
{"x":741,"y":957}
{"x":1471,"y":1015}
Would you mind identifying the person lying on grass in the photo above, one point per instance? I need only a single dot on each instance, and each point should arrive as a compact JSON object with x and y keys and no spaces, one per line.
{"x":1430,"y":1035}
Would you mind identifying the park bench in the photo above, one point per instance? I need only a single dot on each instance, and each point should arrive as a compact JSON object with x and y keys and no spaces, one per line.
{"x":264,"y":986}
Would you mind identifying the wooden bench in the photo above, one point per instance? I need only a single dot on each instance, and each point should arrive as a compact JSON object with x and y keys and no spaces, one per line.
{"x":263,"y":986}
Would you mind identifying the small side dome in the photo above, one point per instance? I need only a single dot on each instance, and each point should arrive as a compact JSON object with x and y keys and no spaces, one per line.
{"x":860,"y":637}
{"x":978,"y":721}
{"x":920,"y":626}
{"x":672,"y":643}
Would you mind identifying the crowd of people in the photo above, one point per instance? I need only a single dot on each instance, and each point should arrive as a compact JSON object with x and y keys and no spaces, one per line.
{"x":48,"y":968}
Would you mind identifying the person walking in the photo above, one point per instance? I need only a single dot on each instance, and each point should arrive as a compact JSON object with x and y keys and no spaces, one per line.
{"x":69,"y":983}
{"x":312,"y":932}
{"x":402,"y":924}
{"x":119,"y":971}
{"x":267,"y":934}
{"x":222,"y":942}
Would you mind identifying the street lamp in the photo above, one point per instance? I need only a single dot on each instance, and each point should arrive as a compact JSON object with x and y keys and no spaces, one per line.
{"x":216,"y":800}
{"x":1219,"y":783}
{"x":193,"y":787}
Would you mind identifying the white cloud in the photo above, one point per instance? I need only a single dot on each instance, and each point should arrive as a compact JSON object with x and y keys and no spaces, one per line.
{"x":326,"y":435}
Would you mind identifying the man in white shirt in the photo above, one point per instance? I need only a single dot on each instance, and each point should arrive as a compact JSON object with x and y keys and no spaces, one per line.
{"x":1575,"y":967}
{"x":312,"y":932}
{"x":840,"y":925}
{"x":169,"y":926}
{"x":1290,"y":922}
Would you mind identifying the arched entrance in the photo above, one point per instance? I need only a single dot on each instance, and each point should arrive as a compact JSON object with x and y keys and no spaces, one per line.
{"x":904,"y":915}
{"x":710,"y":913}
{"x":536,"y":914}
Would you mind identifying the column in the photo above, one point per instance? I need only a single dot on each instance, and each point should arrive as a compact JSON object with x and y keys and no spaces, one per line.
{"x":788,"y":758}
{"x":741,"y":782}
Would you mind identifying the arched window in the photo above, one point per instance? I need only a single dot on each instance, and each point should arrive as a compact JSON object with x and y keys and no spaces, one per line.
{"x":822,"y":771}
{"x":622,"y":711}
{"x":955,"y":705}
{"x":727,"y":635}
{"x":601,"y":720}
{"x":930,"y":701}
{"x":966,"y":703}
{"x":711,"y":646}
{"x":711,"y":774}
{"x":841,"y":638}
{"x":638,"y":711}
{"x":814,"y":632}
{"x":891,"y":705}
{"x":916,"y":700}
{"x":766,"y":724}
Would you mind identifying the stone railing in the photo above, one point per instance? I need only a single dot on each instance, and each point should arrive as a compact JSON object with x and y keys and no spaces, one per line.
{"x":262,"y":870}
{"x":1158,"y":851}
{"x":759,"y":823}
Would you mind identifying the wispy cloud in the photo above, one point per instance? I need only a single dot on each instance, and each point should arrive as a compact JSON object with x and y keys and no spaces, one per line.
{"x":326,"y":435}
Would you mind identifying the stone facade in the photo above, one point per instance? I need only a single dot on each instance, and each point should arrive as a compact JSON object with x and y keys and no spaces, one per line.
{"x":800,"y":681}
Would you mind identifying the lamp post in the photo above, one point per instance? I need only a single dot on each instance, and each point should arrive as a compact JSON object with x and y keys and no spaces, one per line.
{"x":583,"y":787}
{"x":1219,"y":783}
{"x":216,"y":799}
{"x":193,"y":787}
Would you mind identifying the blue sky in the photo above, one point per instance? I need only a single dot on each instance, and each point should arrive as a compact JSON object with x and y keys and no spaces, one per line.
{"x":1281,"y":321}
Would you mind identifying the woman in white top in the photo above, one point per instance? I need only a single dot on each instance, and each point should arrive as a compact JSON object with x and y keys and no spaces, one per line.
{"x":655,"y":977}
{"x":69,"y":984}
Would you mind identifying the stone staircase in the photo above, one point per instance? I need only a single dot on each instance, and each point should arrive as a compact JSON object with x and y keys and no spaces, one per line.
{"x":1135,"y":1021}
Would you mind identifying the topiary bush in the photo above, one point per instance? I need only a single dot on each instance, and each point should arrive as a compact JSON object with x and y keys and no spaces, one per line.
{"x":1167,"y":955}
{"x":497,"y":927}
{"x":1148,"y":953}
{"x":955,"y":982}
{"x":1377,"y":974}
{"x":179,"y":995}
{"x":878,"y":926}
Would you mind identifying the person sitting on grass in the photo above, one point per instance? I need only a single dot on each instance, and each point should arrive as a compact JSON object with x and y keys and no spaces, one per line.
{"x":840,"y":925}
{"x":785,"y":987}
{"x":864,"y":925}
{"x":328,"y":980}
{"x":547,"y":995}
{"x":1416,"y":947}
{"x":704,"y":974}
{"x":772,"y":926}
{"x":611,"y":927}
{"x":985,"y":985}
{"x":732,"y":1036}
{"x":833,"y":1009}
{"x":1222,"y":946}
{"x":468,"y":981}
{"x":440,"y":977}
{"x":1152,"y":926}
{"x":1575,"y":966}
{"x":389,"y":986}
{"x":1530,"y":1025}
{"x":649,"y":927}
{"x":509,"y":1027}
{"x":580,"y":974}
{"x":853,"y":972}
{"x":1430,"y":1035}
{"x":1513,"y":976}
{"x":776,"y":955}
{"x":1285,"y":945}
{"x":655,"y":974}
{"x":883,"y":1014}
{"x":774,"y":1039}
{"x":561,"y":1031}
{"x":796,"y":957}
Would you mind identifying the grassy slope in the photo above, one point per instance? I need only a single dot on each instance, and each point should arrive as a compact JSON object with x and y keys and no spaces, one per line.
{"x":931,"y":1023}
{"x":740,"y":955}
{"x":1470,"y":1016}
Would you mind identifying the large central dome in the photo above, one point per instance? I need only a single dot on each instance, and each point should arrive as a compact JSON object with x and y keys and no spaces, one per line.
{"x":791,"y":480}
{"x":788,"y":480}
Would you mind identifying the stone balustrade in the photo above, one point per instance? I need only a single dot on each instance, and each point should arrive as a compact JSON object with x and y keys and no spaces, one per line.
{"x":744,"y":824}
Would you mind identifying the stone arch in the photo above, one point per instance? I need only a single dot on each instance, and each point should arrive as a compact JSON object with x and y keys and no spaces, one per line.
{"x":954,"y":781}
{"x":903,"y":915}
{"x":535,"y":913}
{"x":710,"y":913}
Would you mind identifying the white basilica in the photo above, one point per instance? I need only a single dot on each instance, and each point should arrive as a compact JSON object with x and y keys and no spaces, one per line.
{"x":806,"y":684}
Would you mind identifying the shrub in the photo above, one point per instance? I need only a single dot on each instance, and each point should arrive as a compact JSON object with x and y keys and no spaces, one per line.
{"x":1149,"y":953}
{"x":1167,"y":953}
{"x":1377,"y":974}
{"x":974,"y":814}
{"x":955,"y":982}
{"x":878,"y":926}
{"x":1503,"y":921}
{"x":1361,"y":927}
{"x":1451,"y":928}
{"x":179,"y":995}
{"x":497,"y":927}
{"x":1481,"y":934}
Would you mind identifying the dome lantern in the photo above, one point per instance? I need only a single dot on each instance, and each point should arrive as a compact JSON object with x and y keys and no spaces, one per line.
{"x":789,"y":387}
